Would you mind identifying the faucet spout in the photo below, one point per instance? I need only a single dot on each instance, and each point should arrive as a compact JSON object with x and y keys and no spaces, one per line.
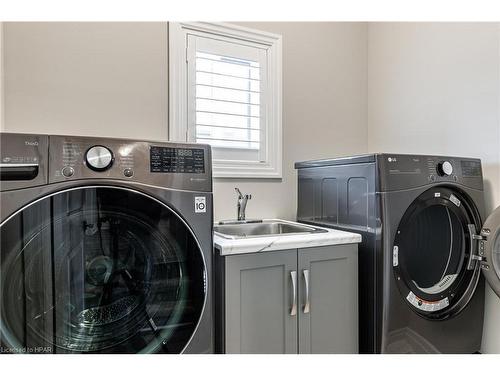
{"x":242,"y":204}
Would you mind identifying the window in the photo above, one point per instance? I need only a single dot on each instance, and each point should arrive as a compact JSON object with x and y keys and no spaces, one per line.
{"x":225,"y":90}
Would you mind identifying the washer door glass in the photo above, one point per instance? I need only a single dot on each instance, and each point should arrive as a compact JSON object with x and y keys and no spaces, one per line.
{"x":99,"y":269}
{"x":431,"y":252}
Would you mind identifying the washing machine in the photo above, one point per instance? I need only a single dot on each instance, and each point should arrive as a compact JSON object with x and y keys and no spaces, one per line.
{"x":106,"y":246}
{"x":425,"y":245}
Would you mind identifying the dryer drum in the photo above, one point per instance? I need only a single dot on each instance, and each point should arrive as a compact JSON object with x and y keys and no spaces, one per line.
{"x":99,"y":269}
{"x":433,"y":247}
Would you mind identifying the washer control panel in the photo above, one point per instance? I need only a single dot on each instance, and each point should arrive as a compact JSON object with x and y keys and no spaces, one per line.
{"x":78,"y":157}
{"x":175,"y":165}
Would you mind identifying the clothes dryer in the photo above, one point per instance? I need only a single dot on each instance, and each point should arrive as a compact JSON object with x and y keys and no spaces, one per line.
{"x":425,"y":245}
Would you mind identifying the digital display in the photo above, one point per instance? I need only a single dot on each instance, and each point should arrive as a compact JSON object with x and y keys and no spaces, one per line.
{"x":177,"y":160}
{"x":471,"y":168}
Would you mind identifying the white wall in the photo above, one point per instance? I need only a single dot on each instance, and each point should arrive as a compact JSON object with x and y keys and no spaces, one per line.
{"x":110,"y":79}
{"x":102,"y":79}
{"x":435,"y":88}
{"x":1,"y":78}
{"x":324,"y":110}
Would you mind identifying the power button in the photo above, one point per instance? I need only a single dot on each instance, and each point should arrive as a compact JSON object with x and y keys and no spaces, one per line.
{"x":128,"y":172}
{"x":68,"y":171}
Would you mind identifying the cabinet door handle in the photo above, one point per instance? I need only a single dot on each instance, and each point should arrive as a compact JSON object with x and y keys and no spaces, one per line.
{"x":293,"y":276}
{"x":306,"y":281}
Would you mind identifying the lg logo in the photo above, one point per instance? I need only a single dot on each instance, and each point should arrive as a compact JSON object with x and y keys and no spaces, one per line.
{"x":391,"y":160}
{"x":200,"y":204}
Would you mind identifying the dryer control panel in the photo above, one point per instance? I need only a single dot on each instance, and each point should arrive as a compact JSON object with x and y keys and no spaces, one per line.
{"x":402,"y":171}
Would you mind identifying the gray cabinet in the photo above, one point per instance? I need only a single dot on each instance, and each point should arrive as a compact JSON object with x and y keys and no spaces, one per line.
{"x":328,"y":292}
{"x":259,"y":296}
{"x":290,"y":301}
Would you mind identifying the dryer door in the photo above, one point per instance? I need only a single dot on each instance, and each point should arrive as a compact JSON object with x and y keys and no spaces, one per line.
{"x":433,"y":252}
{"x":489,"y":250}
{"x":99,"y":270}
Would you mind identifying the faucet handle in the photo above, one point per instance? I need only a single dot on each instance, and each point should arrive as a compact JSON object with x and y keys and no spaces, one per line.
{"x":239,"y":193}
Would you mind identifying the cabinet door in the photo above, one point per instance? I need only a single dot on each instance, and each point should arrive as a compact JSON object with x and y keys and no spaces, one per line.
{"x":328,"y":299}
{"x":259,"y":298}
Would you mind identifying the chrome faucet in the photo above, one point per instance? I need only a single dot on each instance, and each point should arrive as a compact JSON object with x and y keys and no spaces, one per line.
{"x":242,"y":204}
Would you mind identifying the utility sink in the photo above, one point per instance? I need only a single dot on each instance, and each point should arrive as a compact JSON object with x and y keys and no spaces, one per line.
{"x":234,"y":230}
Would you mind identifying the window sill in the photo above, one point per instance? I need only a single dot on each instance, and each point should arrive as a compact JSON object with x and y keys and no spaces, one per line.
{"x":224,"y":169}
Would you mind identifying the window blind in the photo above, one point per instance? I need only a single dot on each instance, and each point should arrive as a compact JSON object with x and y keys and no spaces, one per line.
{"x":228,"y":101}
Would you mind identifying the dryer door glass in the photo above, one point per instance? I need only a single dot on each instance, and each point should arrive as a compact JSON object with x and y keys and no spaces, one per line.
{"x":431,"y":253}
{"x":99,"y":270}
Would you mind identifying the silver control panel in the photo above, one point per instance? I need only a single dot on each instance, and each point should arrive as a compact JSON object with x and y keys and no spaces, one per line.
{"x":73,"y":158}
{"x":30,"y":160}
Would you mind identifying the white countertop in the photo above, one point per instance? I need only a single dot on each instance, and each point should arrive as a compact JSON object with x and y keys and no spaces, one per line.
{"x":229,"y":246}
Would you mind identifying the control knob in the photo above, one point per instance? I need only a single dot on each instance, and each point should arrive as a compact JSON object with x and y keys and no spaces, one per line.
{"x":445,"y":168}
{"x":99,"y":158}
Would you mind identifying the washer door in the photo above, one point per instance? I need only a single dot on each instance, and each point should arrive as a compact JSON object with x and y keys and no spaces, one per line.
{"x":99,"y":269}
{"x":431,"y":253}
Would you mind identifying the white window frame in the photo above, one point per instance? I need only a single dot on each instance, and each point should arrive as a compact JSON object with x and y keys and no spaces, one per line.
{"x":271,"y":167}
